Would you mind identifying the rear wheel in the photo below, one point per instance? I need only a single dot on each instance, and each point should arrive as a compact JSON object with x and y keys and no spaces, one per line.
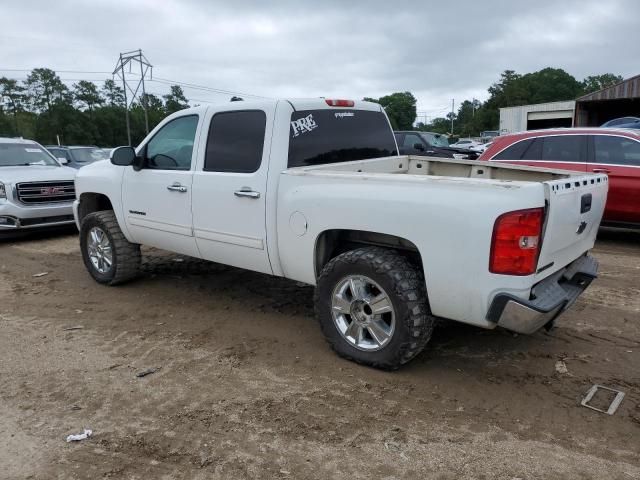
{"x":108,"y":256}
{"x":372,"y":307}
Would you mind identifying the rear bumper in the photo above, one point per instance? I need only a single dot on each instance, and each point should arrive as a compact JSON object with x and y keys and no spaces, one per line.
{"x":548,"y":299}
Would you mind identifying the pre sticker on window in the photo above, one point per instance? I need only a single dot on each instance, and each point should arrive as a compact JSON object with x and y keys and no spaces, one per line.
{"x":303,"y":125}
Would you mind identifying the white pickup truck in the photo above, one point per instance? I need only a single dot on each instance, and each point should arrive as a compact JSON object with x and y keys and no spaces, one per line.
{"x":313,"y":190}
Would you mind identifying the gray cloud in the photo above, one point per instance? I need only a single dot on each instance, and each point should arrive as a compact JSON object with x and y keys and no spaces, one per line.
{"x":438,"y":51}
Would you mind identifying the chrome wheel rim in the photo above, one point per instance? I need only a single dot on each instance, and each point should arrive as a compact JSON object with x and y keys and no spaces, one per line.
{"x":99,"y":250}
{"x":363,"y":313}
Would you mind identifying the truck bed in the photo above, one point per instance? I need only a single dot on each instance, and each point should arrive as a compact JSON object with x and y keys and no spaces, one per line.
{"x":446,"y":208}
{"x":443,"y":167}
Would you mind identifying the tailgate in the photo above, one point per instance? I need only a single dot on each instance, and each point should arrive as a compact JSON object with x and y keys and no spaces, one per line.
{"x":574,"y":211}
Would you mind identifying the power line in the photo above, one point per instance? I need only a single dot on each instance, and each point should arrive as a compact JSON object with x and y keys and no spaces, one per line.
{"x":194,"y":86}
{"x":57,"y":71}
{"x":164,"y":81}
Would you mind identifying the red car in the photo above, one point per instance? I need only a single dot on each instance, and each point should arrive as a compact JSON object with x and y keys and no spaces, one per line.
{"x":615,"y":152}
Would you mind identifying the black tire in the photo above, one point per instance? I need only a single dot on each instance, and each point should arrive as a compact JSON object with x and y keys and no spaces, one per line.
{"x":126,"y":255}
{"x":404,"y":284}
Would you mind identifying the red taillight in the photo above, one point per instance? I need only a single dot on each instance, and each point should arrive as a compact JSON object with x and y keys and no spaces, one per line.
{"x":340,"y":103}
{"x":516,"y":242}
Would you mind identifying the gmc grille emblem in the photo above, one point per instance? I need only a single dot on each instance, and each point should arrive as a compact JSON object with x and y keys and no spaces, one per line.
{"x":50,"y":190}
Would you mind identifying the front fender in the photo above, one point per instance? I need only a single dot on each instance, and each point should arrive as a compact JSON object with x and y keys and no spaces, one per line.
{"x":106,"y":179}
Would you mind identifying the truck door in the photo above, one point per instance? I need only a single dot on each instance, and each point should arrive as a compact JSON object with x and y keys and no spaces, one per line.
{"x":157,"y":198}
{"x":229,"y":188}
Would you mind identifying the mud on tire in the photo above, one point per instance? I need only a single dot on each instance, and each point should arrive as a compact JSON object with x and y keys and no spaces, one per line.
{"x":405,"y":287}
{"x":125,"y":255}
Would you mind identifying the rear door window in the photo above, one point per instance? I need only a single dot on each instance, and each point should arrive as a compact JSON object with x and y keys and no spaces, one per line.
{"x":564,"y":148}
{"x":235,"y":141}
{"x":338,"y":135}
{"x":616,"y":150}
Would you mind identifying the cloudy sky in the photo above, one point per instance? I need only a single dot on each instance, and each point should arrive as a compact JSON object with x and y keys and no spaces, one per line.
{"x":437,"y":50}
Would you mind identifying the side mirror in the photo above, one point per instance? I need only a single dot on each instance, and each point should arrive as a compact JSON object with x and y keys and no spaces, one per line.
{"x":418,"y":146}
{"x":123,"y":156}
{"x":62,"y":160}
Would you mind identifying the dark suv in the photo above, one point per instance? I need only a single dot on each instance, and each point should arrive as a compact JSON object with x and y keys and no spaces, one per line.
{"x":78,"y":156}
{"x":430,"y":144}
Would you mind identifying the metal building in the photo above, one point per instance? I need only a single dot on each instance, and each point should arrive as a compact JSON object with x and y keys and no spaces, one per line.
{"x":533,"y":117}
{"x":619,"y":100}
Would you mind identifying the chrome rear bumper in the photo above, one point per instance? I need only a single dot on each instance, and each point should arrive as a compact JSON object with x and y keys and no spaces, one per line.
{"x":548,"y":299}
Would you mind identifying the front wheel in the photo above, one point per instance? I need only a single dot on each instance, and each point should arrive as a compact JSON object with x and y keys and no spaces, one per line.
{"x":108,"y":256}
{"x":372,"y":307}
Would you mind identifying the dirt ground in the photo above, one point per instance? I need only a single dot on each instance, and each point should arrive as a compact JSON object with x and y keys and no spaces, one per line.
{"x":248,"y":388}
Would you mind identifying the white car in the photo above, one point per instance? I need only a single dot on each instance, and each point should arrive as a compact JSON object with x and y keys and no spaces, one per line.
{"x":313,"y":190}
{"x":481,"y":147}
{"x":466,"y":143}
{"x":36,"y":190}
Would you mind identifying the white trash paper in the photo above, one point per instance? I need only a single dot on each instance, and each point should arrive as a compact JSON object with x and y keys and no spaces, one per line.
{"x":80,"y":436}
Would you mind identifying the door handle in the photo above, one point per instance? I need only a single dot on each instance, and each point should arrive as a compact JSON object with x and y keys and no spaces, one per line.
{"x":246,"y":192}
{"x":176,"y":187}
{"x":430,"y":151}
{"x":601,"y":170}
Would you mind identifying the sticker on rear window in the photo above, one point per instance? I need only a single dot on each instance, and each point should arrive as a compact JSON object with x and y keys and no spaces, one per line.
{"x":344,"y":114}
{"x":303,"y":125}
{"x":32,"y":150}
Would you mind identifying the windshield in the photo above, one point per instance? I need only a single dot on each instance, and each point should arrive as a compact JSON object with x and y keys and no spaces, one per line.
{"x":334,"y":136}
{"x":88,"y":155}
{"x":435,"y":139}
{"x":14,"y":154}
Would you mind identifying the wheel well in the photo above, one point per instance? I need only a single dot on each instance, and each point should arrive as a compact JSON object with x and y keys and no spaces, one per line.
{"x":332,"y":243}
{"x":93,"y":202}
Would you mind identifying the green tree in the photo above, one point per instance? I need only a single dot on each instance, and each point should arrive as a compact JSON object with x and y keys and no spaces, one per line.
{"x":113,"y":94}
{"x":551,"y":85}
{"x":175,"y":100}
{"x":593,"y":83}
{"x":87,"y":94}
{"x":155,"y":113}
{"x":400,"y":108}
{"x":44,"y":89}
{"x":11,"y":100}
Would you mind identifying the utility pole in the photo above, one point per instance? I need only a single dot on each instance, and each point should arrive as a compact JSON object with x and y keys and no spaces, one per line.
{"x":129,"y":58}
{"x":452,"y":104}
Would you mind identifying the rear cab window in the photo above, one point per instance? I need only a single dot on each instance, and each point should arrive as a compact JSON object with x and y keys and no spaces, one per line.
{"x":338,"y":135}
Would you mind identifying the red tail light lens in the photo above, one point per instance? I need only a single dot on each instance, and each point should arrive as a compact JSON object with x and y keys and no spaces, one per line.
{"x":340,"y":103}
{"x":516,"y":242}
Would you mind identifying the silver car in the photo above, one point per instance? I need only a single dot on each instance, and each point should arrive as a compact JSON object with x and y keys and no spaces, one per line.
{"x":36,"y":190}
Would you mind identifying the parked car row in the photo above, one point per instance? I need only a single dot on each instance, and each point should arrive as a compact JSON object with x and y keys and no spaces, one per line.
{"x":431,"y":144}
{"x":77,"y":156}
